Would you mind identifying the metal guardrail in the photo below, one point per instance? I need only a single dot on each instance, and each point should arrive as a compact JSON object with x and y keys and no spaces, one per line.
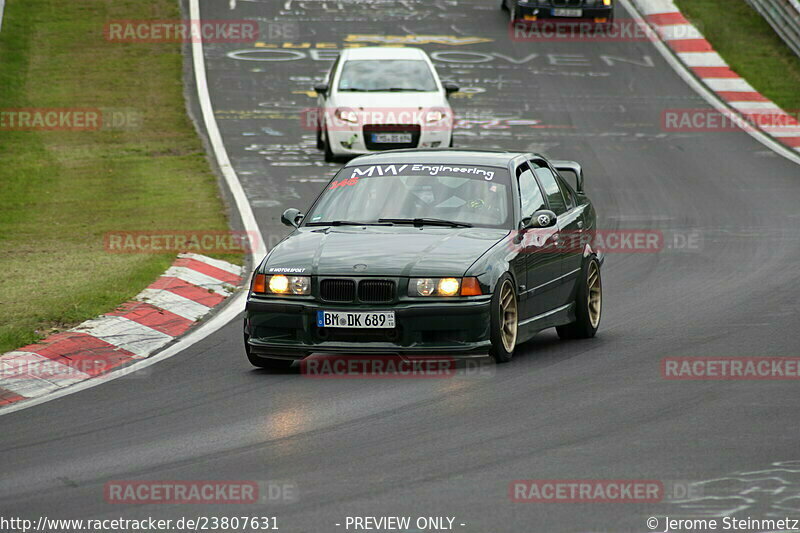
{"x":2,"y":6}
{"x":784,"y":17}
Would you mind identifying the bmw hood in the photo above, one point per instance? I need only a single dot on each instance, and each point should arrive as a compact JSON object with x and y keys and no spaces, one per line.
{"x":382,"y":251}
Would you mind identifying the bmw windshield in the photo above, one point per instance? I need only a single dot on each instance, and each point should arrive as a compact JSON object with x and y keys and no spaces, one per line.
{"x":423,"y":194}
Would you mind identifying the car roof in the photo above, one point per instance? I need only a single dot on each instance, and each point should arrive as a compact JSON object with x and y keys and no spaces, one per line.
{"x":446,"y":156}
{"x":383,"y":52}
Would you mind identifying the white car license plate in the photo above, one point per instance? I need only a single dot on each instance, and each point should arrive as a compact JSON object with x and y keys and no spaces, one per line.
{"x":568,"y":12}
{"x":363,"y":320}
{"x":391,"y":138}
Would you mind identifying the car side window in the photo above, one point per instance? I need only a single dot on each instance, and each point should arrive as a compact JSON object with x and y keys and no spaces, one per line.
{"x":530,"y":194}
{"x":551,"y":190}
{"x":566,"y":190}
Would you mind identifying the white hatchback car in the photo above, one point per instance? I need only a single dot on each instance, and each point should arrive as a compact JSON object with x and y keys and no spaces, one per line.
{"x":377,"y":98}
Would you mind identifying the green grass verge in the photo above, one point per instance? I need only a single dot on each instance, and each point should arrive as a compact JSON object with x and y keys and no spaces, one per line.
{"x":60,"y":191}
{"x":750,"y":46}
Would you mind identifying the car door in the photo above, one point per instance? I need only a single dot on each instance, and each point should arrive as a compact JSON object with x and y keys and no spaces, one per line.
{"x":574,"y":234}
{"x":540,"y":262}
{"x":567,"y":255}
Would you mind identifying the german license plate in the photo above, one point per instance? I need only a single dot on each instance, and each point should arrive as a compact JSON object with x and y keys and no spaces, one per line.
{"x":362,"y":320}
{"x":568,"y":12}
{"x":391,"y":138}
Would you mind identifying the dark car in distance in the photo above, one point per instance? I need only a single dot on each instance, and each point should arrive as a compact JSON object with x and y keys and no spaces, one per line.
{"x":435,"y":252}
{"x":601,"y":11}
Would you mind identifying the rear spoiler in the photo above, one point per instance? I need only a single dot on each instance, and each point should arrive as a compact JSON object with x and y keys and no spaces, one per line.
{"x":575,"y":168}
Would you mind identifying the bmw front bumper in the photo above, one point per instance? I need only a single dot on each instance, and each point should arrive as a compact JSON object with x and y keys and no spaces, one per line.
{"x":288,"y":330}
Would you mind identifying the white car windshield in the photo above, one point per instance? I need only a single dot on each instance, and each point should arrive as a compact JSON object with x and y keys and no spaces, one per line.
{"x":387,"y":75}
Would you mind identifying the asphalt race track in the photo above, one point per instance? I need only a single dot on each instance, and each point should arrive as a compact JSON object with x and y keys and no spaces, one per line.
{"x":725,"y":284}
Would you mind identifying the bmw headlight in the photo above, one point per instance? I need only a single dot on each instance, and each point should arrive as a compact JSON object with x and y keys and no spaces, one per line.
{"x":444,"y":287}
{"x":280,"y":284}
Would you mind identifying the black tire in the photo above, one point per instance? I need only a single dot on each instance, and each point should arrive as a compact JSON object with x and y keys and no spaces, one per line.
{"x":320,"y":144}
{"x":499,"y":351}
{"x":585,"y":326}
{"x":503,"y":5}
{"x":329,"y":157}
{"x":266,"y":362}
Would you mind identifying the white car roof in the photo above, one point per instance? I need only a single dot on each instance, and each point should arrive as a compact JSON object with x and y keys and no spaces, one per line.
{"x":383,"y":52}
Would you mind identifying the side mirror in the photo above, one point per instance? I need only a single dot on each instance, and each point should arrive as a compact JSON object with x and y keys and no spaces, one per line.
{"x":571,"y":167}
{"x":290,"y":217}
{"x":321,"y":89}
{"x":543,"y":218}
{"x":450,"y":88}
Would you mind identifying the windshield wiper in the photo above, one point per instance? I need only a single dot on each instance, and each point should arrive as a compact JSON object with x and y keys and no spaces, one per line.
{"x":426,"y":222}
{"x":346,"y":223}
{"x":384,"y":90}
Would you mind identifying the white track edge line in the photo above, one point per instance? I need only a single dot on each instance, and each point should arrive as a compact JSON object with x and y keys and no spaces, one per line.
{"x":215,"y":137}
{"x":235,"y":303}
{"x":710,"y":97}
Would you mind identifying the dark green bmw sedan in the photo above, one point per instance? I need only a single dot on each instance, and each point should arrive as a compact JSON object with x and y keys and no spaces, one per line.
{"x":442,"y":252}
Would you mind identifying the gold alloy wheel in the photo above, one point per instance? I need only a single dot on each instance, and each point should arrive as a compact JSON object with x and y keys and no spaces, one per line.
{"x":508,"y":315}
{"x":595,"y":296}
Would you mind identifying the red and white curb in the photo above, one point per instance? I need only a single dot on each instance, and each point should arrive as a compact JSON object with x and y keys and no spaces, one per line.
{"x":697,"y":54}
{"x":184,"y":294}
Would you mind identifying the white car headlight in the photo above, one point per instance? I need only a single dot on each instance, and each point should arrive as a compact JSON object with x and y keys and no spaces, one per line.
{"x":348,"y":115}
{"x":435,"y":116}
